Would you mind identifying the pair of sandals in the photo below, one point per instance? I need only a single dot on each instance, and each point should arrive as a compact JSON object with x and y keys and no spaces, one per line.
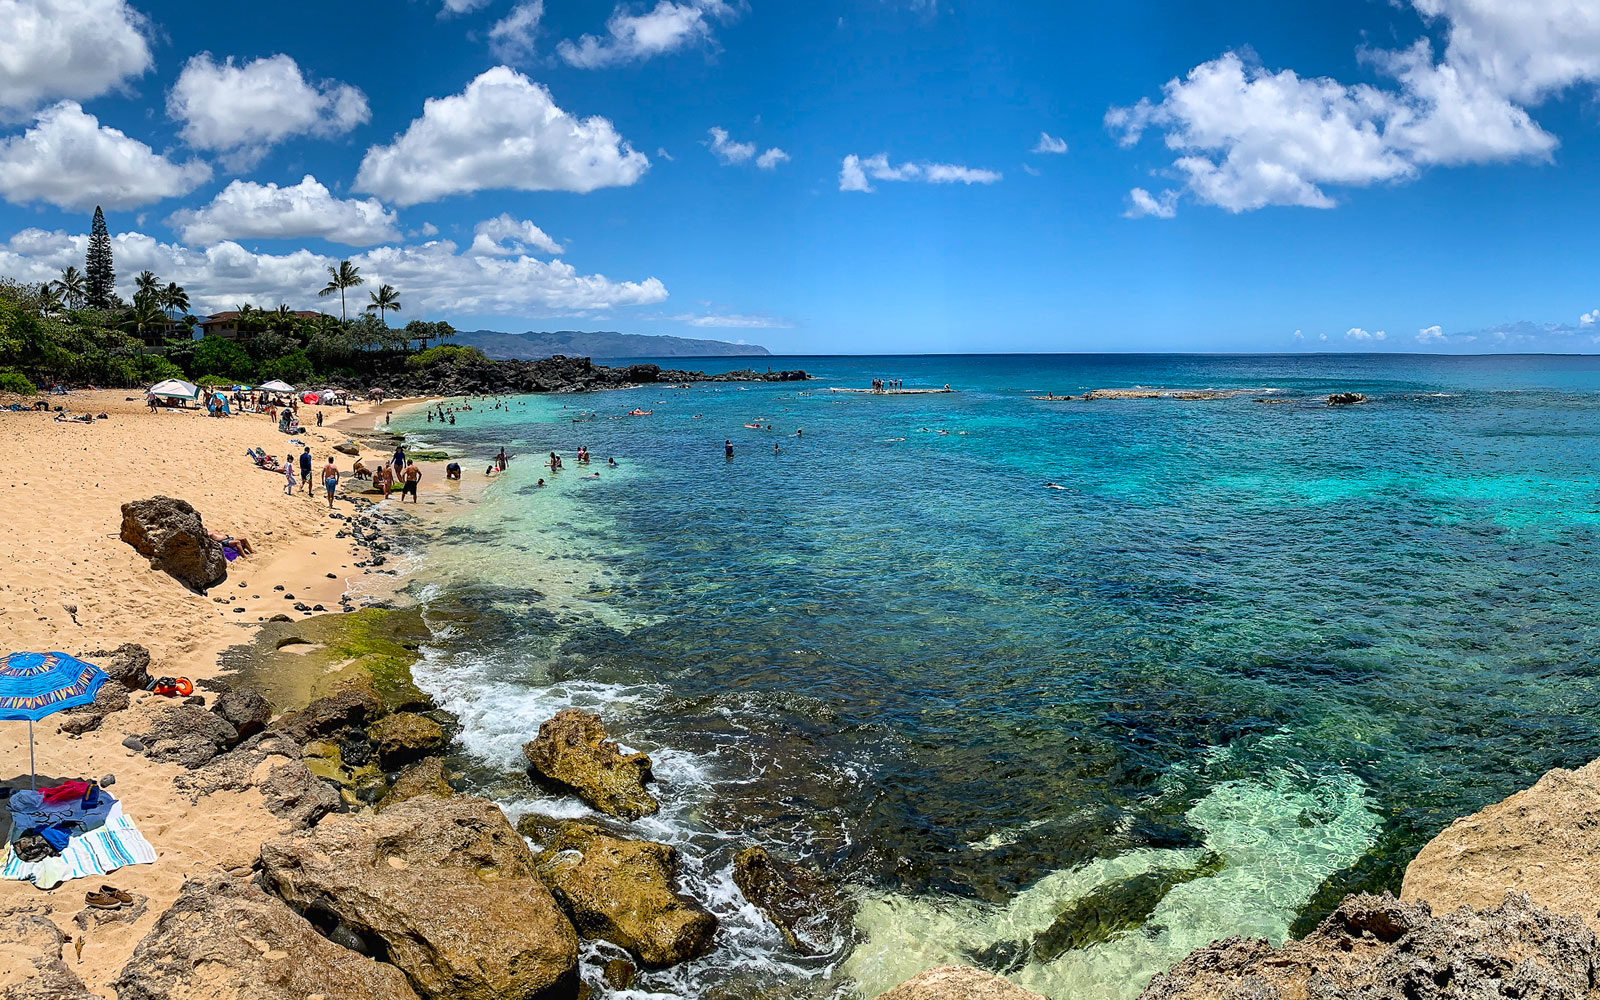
{"x":108,"y":898}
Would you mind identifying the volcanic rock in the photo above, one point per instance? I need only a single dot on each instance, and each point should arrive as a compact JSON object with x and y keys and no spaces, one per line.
{"x":572,"y":753}
{"x":1346,"y":399}
{"x":1379,"y":948}
{"x":404,"y":737}
{"x":244,"y":709}
{"x":128,"y":665}
{"x":272,"y":763}
{"x":424,"y":779}
{"x":224,"y":937}
{"x":28,"y":931}
{"x":168,"y":532}
{"x":1542,"y":841}
{"x":444,"y":886}
{"x":186,"y":734}
{"x":623,"y":891}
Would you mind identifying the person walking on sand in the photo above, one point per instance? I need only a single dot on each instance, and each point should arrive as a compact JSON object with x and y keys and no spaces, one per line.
{"x":413,"y":476}
{"x":330,"y":479}
{"x":305,"y":469}
{"x":288,"y":475}
{"x":319,"y":418}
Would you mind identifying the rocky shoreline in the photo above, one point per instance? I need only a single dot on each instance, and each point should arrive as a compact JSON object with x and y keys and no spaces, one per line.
{"x":473,"y":376}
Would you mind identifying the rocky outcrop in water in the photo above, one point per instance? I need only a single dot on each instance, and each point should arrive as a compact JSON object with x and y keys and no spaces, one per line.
{"x":809,"y":911}
{"x":169,"y":533}
{"x":1346,"y":399}
{"x":405,"y":737}
{"x":958,"y":982}
{"x":480,"y":376}
{"x":572,"y":753}
{"x":444,"y":886}
{"x":624,"y":891}
{"x":224,"y":937}
{"x":1378,"y":948}
{"x":424,"y":779}
{"x":1544,"y":841}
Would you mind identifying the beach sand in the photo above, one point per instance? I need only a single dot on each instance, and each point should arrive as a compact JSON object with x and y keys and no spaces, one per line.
{"x":68,"y":582}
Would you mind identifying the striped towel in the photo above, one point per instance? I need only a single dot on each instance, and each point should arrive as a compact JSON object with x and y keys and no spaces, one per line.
{"x":101,"y":851}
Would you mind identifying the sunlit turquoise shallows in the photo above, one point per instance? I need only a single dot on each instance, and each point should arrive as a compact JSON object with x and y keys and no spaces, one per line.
{"x":1251,"y":657}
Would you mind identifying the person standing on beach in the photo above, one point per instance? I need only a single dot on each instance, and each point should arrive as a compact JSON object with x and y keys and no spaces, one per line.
{"x":330,"y":479}
{"x":288,"y":475}
{"x":399,"y":461}
{"x":319,"y":418}
{"x":305,"y":469}
{"x":413,"y":476}
{"x":387,"y":417}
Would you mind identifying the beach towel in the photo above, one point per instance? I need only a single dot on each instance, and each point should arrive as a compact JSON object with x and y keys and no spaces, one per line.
{"x":230,"y":553}
{"x":101,"y":851}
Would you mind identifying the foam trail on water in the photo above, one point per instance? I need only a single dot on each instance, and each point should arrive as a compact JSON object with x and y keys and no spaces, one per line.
{"x":1277,"y":837}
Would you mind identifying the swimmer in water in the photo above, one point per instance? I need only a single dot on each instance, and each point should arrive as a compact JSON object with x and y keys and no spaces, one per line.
{"x":1054,"y":486}
{"x":592,"y":475}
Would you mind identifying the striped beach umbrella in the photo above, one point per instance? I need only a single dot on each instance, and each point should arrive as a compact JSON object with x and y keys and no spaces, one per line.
{"x":34,"y":685}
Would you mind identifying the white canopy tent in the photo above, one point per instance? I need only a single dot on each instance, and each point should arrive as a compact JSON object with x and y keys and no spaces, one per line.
{"x":276,"y":386}
{"x":175,"y":388}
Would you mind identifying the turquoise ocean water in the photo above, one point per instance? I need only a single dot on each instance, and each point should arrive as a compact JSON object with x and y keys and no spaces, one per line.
{"x":1251,"y":658}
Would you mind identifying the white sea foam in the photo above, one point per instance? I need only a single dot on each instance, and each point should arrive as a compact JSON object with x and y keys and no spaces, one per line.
{"x":1279,"y":836}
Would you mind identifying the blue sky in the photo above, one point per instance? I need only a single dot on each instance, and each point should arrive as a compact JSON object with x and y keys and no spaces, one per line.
{"x":883,"y":176}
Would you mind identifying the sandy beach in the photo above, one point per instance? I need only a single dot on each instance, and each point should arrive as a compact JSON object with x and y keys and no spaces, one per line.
{"x":69,"y":583}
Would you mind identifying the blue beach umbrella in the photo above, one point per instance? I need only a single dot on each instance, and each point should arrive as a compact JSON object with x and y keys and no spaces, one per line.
{"x":34,"y":685}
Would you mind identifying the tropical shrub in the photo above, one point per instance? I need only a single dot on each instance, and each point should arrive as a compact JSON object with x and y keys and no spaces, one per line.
{"x":293,"y":368}
{"x":443,"y":354}
{"x":14,"y":381}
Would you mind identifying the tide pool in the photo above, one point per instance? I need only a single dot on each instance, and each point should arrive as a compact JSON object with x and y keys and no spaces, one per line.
{"x":1250,"y":658}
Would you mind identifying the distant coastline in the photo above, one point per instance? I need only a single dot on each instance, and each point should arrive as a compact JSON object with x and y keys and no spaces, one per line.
{"x":601,"y":344}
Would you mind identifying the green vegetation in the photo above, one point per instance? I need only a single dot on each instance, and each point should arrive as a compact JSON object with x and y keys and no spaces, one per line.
{"x":77,"y":329}
{"x":443,"y":354}
{"x":18,"y":383}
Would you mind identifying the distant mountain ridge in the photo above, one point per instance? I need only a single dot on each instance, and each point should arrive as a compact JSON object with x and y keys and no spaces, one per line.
{"x":604,"y":344}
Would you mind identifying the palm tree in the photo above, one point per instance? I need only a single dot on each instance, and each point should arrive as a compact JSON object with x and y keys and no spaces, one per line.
{"x":71,"y":286}
{"x":147,"y":287}
{"x":145,"y":321}
{"x":174,"y":298}
{"x":384,"y":300}
{"x":249,"y":319}
{"x":282,"y":320}
{"x":346,"y":275}
{"x":49,"y":299}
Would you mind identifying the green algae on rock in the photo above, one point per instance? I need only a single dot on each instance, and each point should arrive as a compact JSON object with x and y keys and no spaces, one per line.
{"x":293,"y":663}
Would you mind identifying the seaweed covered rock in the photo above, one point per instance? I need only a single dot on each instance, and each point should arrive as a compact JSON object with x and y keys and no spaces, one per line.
{"x":808,"y":910}
{"x":404,"y":737}
{"x":572,"y":753}
{"x":623,"y":891}
{"x":444,"y":886}
{"x":1378,"y":948}
{"x":958,"y":982}
{"x":224,"y":937}
{"x":169,"y":533}
{"x":424,"y":779}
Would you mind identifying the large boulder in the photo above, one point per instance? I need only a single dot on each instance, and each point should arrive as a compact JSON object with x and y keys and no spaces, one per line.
{"x":957,"y":982}
{"x":128,"y":665}
{"x":1378,"y":948}
{"x":572,"y":753}
{"x":273,"y":764}
{"x":168,"y":532}
{"x":224,"y":937}
{"x":444,"y":886}
{"x":808,"y":910}
{"x":405,"y":737}
{"x":350,"y":708}
{"x":87,"y":718}
{"x":244,"y":709}
{"x":424,"y":779}
{"x":623,"y":891}
{"x":185,"y":734}
{"x":1541,"y":841}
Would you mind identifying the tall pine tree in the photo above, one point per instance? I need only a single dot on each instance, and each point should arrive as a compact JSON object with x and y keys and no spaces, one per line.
{"x":101,"y":279}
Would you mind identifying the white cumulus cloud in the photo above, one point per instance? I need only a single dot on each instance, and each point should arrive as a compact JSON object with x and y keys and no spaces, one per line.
{"x":1142,"y":203}
{"x":450,"y":7}
{"x":243,"y":111}
{"x":1356,"y":333}
{"x":631,"y":37}
{"x":1589,"y":318}
{"x":68,"y":159}
{"x":503,"y":132}
{"x":857,"y":173}
{"x":246,"y":209}
{"x":1247,"y":137}
{"x":512,"y":38}
{"x":78,"y":49}
{"x":503,"y":236}
{"x":1050,"y":144}
{"x":733,"y":153}
{"x":435,"y":279}
{"x":1430,"y":335}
